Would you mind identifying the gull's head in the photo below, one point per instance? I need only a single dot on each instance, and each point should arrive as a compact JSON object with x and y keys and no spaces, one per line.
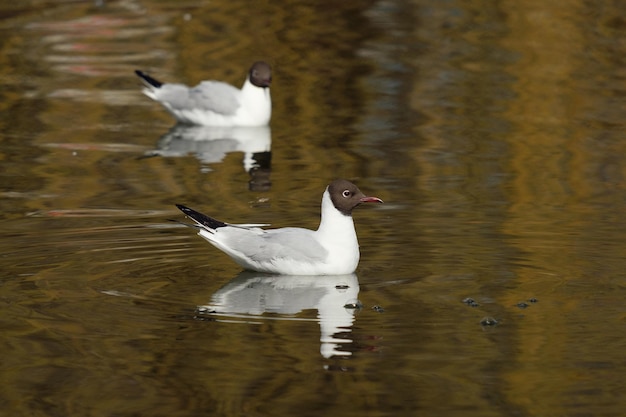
{"x":345,"y":196}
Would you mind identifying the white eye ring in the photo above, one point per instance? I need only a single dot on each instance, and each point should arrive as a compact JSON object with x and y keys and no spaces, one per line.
{"x":346,"y":193}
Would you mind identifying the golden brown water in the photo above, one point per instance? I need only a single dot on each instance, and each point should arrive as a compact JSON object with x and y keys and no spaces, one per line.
{"x":494,"y":133}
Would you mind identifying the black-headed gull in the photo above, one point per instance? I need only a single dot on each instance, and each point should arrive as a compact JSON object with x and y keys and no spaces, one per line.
{"x":332,"y":249}
{"x":216,"y":103}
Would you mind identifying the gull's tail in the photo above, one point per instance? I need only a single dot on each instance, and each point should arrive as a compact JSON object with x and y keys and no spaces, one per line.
{"x":148,"y":80}
{"x":203,"y":220}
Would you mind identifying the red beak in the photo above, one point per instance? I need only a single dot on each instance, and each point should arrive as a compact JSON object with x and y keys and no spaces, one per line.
{"x":370,"y":200}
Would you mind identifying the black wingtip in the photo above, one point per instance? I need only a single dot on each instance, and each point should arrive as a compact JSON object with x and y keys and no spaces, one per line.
{"x":200,"y":218}
{"x":148,"y":79}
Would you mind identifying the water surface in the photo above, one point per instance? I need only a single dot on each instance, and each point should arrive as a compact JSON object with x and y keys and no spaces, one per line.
{"x":494,"y":133}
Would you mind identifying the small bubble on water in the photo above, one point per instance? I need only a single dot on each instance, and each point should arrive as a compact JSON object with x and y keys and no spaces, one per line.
{"x":353,"y":305}
{"x":488,"y":321}
{"x":470,"y":302}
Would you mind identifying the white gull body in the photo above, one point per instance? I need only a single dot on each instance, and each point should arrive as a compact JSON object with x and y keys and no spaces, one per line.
{"x":332,"y":249}
{"x":216,"y":103}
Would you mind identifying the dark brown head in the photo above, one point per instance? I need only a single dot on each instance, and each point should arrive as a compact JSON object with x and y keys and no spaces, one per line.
{"x":261,"y":74}
{"x":346,"y":196}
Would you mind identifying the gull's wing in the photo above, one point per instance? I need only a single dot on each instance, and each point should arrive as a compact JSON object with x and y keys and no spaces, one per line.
{"x":216,"y":96}
{"x":212,"y":96}
{"x":290,"y":243}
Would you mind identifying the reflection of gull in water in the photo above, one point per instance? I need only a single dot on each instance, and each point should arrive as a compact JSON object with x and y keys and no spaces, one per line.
{"x":254,"y":294}
{"x":211,"y":144}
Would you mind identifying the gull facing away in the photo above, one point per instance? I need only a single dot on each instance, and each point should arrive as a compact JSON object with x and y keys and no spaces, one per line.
{"x":332,"y":249}
{"x":216,"y":103}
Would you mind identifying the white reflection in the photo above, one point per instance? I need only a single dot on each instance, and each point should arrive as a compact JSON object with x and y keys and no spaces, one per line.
{"x":210,"y":145}
{"x":254,"y":294}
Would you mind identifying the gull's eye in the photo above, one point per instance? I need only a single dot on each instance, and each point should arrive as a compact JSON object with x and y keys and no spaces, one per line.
{"x":346,"y":193}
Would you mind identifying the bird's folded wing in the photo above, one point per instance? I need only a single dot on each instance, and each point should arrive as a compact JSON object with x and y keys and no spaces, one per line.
{"x":291,"y":243}
{"x":215,"y":96}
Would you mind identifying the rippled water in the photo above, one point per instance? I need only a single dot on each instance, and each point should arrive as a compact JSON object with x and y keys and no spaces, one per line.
{"x":491,"y":281}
